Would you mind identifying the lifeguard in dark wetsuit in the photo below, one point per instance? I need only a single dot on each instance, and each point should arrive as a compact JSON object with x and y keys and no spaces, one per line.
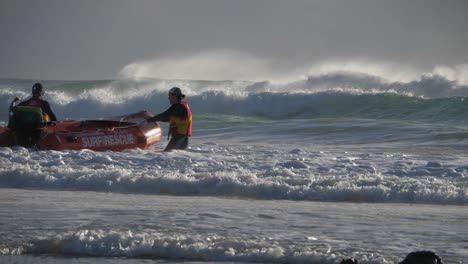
{"x":179,"y":117}
{"x":30,"y":115}
{"x":37,"y":101}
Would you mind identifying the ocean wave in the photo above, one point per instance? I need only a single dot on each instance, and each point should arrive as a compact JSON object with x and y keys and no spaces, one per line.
{"x":334,"y":94}
{"x":154,"y":245}
{"x":217,"y":170}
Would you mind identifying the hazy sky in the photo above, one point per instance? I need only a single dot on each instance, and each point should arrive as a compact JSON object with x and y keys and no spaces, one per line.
{"x":96,"y":39}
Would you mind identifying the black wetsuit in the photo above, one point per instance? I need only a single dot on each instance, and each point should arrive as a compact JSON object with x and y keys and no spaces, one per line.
{"x":29,"y":136}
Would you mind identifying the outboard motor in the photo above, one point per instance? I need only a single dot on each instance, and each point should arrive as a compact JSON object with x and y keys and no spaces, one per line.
{"x":11,"y":113}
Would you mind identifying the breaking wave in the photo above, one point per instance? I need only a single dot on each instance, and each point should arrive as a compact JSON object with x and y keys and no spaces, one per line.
{"x":430,"y":98}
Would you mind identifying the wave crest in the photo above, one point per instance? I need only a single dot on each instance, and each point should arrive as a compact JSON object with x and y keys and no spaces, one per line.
{"x":330,"y":94}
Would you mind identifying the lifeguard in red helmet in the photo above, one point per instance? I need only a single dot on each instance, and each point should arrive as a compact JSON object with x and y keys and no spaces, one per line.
{"x":179,"y":117}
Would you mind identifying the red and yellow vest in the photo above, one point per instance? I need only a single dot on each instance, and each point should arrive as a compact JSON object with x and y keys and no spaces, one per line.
{"x":181,"y":125}
{"x":36,"y":102}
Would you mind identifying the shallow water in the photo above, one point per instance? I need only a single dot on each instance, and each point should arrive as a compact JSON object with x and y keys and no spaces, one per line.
{"x":62,"y":226}
{"x":309,"y":171}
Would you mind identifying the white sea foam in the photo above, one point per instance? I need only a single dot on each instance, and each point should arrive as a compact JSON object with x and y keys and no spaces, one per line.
{"x":249,"y":172}
{"x":458,"y":73}
{"x":213,"y":65}
{"x":213,"y":230}
{"x":130,"y":244}
{"x":97,"y":99}
{"x":235,"y":65}
{"x":355,"y":132}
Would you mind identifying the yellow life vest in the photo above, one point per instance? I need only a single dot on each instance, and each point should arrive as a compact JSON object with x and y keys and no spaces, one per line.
{"x":45,"y":117}
{"x":181,"y":125}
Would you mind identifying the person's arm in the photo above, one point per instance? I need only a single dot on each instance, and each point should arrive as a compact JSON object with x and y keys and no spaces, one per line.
{"x":46,"y":108}
{"x":164,"y":116}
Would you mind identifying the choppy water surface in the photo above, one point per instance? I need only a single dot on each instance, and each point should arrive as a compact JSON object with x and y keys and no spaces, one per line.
{"x":310,"y":171}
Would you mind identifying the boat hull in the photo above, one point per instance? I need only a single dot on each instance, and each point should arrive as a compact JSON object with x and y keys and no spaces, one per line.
{"x":116,"y":134}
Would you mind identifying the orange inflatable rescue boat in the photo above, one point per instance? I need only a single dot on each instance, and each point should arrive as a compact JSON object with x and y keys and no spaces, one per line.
{"x":115,"y":133}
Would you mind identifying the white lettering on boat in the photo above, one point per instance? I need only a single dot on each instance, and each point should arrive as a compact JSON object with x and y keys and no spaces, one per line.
{"x":108,"y":140}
